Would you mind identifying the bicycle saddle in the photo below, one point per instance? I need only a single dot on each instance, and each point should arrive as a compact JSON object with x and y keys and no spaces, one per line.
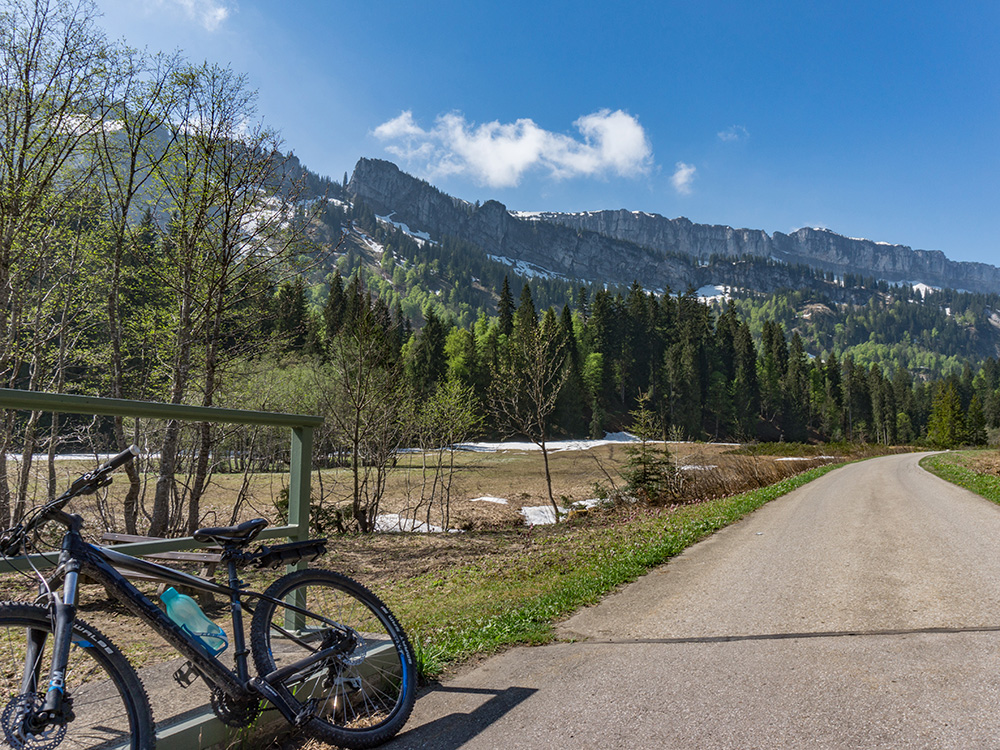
{"x":239,"y":535}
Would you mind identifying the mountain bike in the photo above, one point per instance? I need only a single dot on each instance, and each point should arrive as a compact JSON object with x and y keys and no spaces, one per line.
{"x":328,"y":654}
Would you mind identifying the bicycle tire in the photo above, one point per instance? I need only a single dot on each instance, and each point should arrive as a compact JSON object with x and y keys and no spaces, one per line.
{"x":361,"y":698}
{"x":109,"y":703}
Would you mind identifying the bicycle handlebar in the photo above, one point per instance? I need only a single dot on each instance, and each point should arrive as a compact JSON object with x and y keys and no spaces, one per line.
{"x":121,"y":459}
{"x":12,"y":541}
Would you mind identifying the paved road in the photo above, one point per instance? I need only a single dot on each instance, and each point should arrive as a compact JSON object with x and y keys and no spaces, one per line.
{"x":861,"y":611}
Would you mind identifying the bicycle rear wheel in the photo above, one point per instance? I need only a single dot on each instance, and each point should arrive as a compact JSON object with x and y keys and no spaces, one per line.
{"x":108,"y":702}
{"x":362,"y":693}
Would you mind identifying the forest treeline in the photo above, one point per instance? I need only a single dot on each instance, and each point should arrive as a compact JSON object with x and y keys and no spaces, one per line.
{"x":703,"y":372}
{"x":152,"y":248}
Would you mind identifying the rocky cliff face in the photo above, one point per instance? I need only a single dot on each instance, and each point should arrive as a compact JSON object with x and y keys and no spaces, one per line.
{"x":618,"y":247}
{"x":819,"y":248}
{"x":570,"y":252}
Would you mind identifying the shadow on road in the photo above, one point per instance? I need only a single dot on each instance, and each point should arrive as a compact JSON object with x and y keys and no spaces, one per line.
{"x":454,"y":730}
{"x":791,"y":636}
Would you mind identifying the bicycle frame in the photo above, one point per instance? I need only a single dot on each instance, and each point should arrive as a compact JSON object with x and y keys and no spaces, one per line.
{"x":101,"y":563}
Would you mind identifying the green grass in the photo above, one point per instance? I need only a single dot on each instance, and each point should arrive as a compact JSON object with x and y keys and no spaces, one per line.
{"x":516,"y":596}
{"x":949,"y":466}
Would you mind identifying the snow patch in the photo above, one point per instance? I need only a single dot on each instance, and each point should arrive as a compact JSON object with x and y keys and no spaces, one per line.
{"x":805,"y":458}
{"x":99,"y":457}
{"x":714,"y":292}
{"x":488,"y":499}
{"x":552,"y":445}
{"x":921,"y":288}
{"x":544,"y":515}
{"x":393,"y":522}
{"x":524,"y":268}
{"x":420,"y":237}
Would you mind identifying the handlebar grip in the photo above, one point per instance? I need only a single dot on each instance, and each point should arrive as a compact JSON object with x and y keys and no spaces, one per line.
{"x":121,"y":459}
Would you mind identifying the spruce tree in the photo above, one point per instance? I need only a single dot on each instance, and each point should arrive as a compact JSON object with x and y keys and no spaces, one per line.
{"x":946,"y":425}
{"x":336,"y":303}
{"x":505,"y":309}
{"x":428,"y":365}
{"x":525,"y":316}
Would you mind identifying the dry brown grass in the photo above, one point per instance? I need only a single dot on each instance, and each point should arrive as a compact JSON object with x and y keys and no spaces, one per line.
{"x":983,"y":462}
{"x":711,"y":470}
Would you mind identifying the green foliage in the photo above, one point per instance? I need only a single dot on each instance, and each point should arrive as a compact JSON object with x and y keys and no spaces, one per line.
{"x":946,"y":426}
{"x":649,"y":472}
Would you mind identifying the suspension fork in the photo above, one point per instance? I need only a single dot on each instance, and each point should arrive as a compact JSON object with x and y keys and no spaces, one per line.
{"x":65,"y":615}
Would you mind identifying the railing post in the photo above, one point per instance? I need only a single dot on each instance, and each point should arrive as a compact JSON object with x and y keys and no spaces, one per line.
{"x":298,"y":481}
{"x":298,"y":510}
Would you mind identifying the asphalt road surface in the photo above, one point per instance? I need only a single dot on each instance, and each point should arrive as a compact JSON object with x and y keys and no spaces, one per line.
{"x":860,"y":611}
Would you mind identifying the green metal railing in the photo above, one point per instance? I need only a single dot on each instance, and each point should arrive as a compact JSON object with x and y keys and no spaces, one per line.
{"x":301,"y":426}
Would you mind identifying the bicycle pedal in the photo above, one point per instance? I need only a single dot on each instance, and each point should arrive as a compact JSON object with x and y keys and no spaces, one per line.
{"x":186,"y":675}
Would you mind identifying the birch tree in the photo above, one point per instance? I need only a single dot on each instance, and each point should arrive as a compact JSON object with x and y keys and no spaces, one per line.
{"x":53,"y":66}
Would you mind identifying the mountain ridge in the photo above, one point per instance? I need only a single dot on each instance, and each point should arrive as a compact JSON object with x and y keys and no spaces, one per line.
{"x":620,"y":246}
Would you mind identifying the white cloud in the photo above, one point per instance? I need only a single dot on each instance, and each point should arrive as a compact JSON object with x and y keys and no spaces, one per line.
{"x":734,"y":133}
{"x":498,"y":154}
{"x":682,"y":177}
{"x":208,"y":13}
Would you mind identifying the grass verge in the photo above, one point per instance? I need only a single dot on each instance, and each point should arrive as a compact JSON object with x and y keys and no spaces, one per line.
{"x":515,"y":598}
{"x":964,"y":469}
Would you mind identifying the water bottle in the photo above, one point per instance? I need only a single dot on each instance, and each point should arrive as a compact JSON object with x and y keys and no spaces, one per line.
{"x":184,"y":611}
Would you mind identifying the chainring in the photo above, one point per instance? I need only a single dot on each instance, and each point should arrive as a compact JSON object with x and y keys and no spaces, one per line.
{"x":235,"y":713}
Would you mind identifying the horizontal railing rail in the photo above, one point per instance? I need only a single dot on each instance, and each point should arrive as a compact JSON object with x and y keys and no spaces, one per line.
{"x":300,"y":459}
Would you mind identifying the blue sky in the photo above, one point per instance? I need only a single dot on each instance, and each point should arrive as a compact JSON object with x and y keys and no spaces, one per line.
{"x":873,"y":119}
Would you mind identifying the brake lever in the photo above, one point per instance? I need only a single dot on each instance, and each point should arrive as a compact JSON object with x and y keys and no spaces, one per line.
{"x":12,"y":542}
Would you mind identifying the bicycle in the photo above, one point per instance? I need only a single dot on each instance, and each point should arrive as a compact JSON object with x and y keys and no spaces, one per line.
{"x":328,"y":654}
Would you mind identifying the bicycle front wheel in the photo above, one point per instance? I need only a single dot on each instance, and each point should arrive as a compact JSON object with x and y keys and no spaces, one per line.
{"x":361,"y":693}
{"x":107,"y":703}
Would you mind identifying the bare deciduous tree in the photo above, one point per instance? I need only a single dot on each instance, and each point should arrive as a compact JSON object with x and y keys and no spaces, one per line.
{"x":526,"y":389}
{"x":53,"y":65}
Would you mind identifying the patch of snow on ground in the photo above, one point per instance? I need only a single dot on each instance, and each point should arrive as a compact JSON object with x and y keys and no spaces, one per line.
{"x":544,"y":515}
{"x":540,"y":515}
{"x":488,"y":499}
{"x":100,"y":457}
{"x":372,"y":244}
{"x":697,"y":467}
{"x":714,"y":291}
{"x":552,"y":445}
{"x":392,"y":522}
{"x":922,"y":288}
{"x":524,"y":268}
{"x":805,"y":458}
